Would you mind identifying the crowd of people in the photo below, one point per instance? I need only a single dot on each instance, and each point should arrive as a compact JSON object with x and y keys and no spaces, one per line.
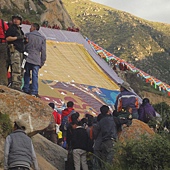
{"x":96,"y":135}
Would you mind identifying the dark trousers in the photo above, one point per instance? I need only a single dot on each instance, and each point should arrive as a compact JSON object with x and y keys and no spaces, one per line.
{"x":108,"y":151}
{"x":3,"y":64}
{"x":35,"y":70}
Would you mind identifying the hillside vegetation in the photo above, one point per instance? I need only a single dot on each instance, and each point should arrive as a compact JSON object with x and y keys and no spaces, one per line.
{"x":146,"y":44}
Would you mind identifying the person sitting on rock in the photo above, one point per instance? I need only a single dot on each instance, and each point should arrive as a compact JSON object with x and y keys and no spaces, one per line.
{"x":19,"y":151}
{"x":127,"y":98}
{"x":146,"y":111}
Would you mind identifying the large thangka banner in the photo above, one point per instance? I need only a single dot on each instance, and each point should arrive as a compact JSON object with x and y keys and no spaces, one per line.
{"x":87,"y":99}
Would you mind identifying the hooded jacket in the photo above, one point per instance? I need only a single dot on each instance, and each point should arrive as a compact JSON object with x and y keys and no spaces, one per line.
{"x":147,"y":108}
{"x":127,"y":98}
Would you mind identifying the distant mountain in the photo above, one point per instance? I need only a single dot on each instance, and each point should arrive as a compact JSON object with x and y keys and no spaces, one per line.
{"x":145,"y":44}
{"x":50,"y":11}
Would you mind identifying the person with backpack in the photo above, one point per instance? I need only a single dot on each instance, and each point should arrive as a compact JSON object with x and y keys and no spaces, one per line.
{"x":4,"y":58}
{"x":146,"y":111}
{"x":66,"y":119}
{"x":127,"y":98}
{"x":66,"y":116}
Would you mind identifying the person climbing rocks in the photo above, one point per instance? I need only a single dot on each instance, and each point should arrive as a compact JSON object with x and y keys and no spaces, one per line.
{"x":146,"y":111}
{"x":127,"y":98}
{"x":19,"y":151}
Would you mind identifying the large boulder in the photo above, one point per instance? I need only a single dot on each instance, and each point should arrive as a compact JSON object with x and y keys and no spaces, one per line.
{"x":51,"y":152}
{"x":43,"y":164}
{"x":135,"y":131}
{"x":19,"y":105}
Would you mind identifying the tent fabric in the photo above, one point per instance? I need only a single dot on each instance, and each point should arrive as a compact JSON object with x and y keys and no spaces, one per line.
{"x":67,"y":36}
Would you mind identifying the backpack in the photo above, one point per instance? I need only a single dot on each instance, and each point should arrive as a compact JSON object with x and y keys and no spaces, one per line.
{"x":65,"y":121}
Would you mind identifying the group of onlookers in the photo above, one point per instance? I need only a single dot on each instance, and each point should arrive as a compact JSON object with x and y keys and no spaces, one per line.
{"x":98,"y":135}
{"x":22,"y":55}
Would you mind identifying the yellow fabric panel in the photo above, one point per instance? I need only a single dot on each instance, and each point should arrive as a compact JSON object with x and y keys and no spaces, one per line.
{"x":70,"y":62}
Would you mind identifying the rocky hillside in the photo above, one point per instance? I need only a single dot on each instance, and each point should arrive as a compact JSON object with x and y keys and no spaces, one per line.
{"x":144,"y":43}
{"x":51,"y":11}
{"x":37,"y":114}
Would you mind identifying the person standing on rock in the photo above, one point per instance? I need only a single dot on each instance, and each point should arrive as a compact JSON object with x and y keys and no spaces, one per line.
{"x":125,"y":99}
{"x":19,"y":152}
{"x":36,"y":49}
{"x":4,"y":54}
{"x":15,"y":38}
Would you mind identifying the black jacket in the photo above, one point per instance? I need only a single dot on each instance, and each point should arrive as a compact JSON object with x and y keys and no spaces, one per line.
{"x":107,"y":127}
{"x":79,"y":138}
{"x":15,"y":31}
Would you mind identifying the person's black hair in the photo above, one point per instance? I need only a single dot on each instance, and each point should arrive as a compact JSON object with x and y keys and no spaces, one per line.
{"x":16,"y":126}
{"x":37,"y":26}
{"x":104,"y":109}
{"x":90,"y":120}
{"x":52,"y":105}
{"x":75,"y":122}
{"x":70,"y":104}
{"x":145,"y":101}
{"x":83,"y":122}
{"x":75,"y":116}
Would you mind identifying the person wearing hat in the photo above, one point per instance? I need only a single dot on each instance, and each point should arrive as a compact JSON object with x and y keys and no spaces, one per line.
{"x":15,"y":38}
{"x":19,"y":151}
{"x":127,"y":98}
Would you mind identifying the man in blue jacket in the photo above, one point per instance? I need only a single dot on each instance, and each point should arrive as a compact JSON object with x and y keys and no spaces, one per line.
{"x":36,"y":49}
{"x":125,"y":99}
{"x":19,"y":151}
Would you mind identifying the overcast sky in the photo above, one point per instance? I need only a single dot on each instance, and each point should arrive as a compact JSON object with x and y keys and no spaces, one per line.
{"x":153,"y":10}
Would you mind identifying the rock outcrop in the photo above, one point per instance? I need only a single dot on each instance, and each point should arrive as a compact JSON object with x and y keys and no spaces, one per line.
{"x":56,"y":14}
{"x":51,"y":11}
{"x":20,"y":105}
{"x":51,"y":152}
{"x":135,"y":131}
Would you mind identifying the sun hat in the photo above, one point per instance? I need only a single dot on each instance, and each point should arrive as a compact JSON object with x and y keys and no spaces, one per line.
{"x":21,"y":124}
{"x":126,"y":86}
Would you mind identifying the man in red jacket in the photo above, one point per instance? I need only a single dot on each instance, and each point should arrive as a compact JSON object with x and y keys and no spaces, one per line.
{"x":67,"y":111}
{"x":57,"y":116}
{"x":3,"y":53}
